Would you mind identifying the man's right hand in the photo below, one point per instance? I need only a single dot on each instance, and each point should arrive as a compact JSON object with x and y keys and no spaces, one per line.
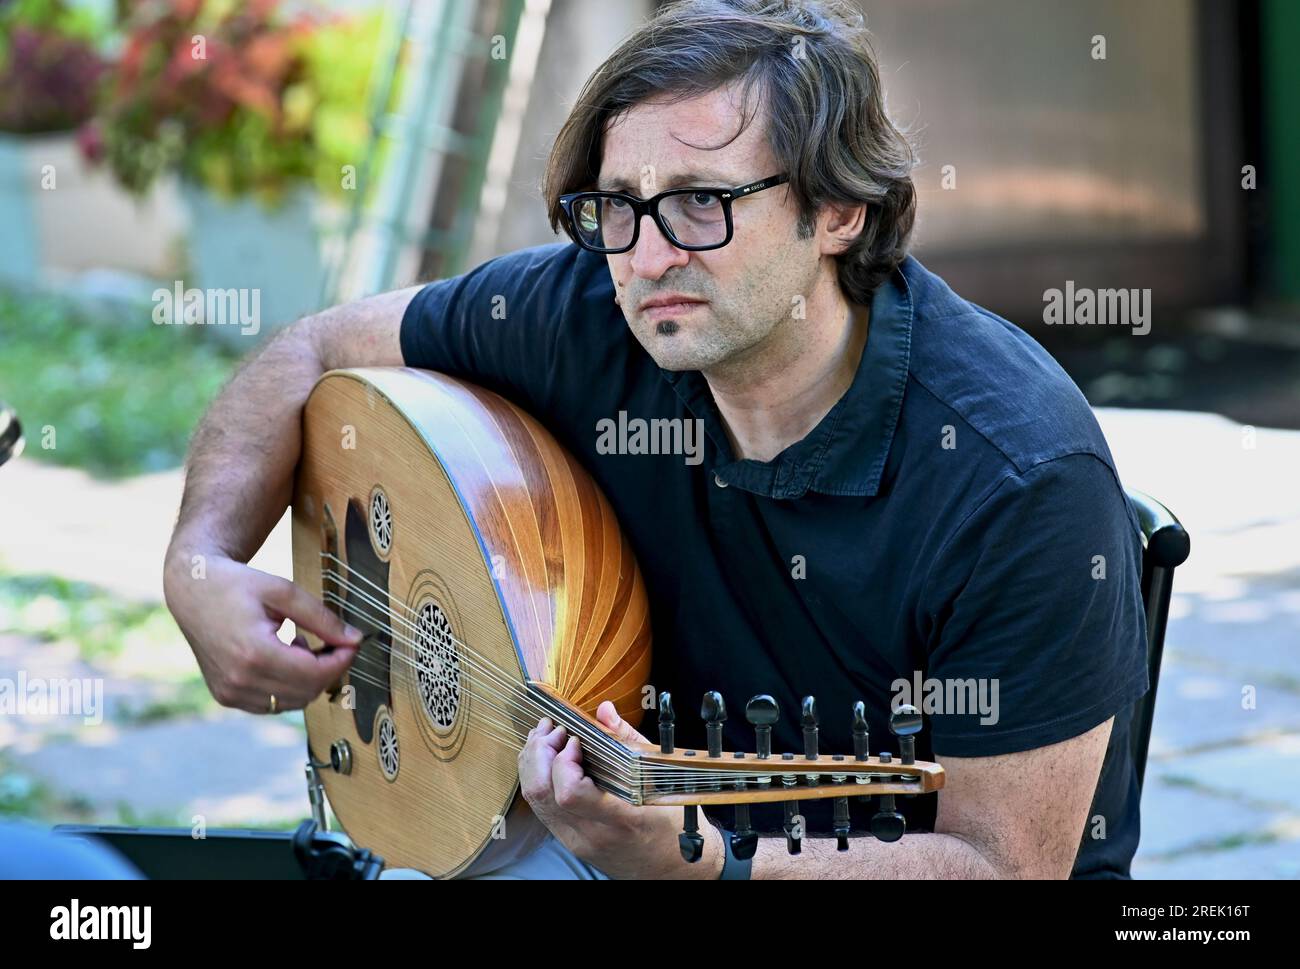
{"x":230,"y":616}
{"x":238,"y":482}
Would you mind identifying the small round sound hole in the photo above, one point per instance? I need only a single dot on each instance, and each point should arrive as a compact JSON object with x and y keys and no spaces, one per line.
{"x":439,"y":666}
{"x":381,"y":521}
{"x":386,"y":745}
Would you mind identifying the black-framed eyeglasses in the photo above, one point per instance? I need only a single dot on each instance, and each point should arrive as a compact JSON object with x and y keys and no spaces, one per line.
{"x":695,"y":219}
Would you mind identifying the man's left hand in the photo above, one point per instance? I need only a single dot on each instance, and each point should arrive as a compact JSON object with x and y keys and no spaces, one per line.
{"x":621,"y":840}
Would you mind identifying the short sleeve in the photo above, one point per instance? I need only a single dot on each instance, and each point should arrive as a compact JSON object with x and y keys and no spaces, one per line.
{"x":502,"y":323}
{"x":1037,"y":632}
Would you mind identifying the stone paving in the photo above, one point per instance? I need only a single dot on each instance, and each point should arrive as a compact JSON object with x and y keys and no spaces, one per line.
{"x":1222,"y":797}
{"x":1222,"y":794}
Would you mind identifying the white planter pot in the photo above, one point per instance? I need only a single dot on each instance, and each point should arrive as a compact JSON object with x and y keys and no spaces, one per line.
{"x":60,"y":216}
{"x":20,"y":241}
{"x":277,"y":253}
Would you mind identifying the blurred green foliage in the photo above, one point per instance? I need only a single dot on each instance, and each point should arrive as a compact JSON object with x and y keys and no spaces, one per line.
{"x":189,"y":698}
{"x":24,"y":796}
{"x":55,"y":16}
{"x":121,"y":395}
{"x":50,"y":67}
{"x":50,"y":608}
{"x":239,"y":98}
{"x":341,"y":62}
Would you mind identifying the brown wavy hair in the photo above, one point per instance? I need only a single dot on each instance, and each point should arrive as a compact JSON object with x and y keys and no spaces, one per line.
{"x":813,"y":67}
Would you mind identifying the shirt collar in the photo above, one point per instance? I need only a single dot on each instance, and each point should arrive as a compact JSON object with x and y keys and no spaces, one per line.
{"x":845,"y":453}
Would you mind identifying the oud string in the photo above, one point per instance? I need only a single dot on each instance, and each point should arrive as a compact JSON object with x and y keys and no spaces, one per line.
{"x":551,"y":706}
{"x":695,"y":772}
{"x":511,"y":691}
{"x":512,"y":695}
{"x":678,"y":777}
{"x":466,"y":655}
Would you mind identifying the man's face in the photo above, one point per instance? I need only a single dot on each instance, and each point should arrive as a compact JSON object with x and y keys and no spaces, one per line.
{"x":749,"y":284}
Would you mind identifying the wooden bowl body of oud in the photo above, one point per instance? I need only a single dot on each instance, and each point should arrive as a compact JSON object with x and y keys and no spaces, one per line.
{"x":476,"y":554}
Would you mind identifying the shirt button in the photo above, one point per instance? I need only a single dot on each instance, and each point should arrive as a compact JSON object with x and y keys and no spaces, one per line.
{"x":718,"y":481}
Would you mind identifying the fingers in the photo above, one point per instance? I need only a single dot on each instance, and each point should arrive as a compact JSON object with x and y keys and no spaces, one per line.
{"x":294,"y":602}
{"x":607,"y":714}
{"x":296,"y":677}
{"x":535,"y":763}
{"x":551,"y":776}
{"x":301,"y":675}
{"x":292,"y":672}
{"x":231,"y":622}
{"x":260,"y":703}
{"x":571,"y":788}
{"x":553,"y":738}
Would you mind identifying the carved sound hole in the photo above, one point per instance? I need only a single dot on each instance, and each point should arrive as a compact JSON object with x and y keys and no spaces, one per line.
{"x":386,"y":749}
{"x":381,"y":521}
{"x":439,"y":666}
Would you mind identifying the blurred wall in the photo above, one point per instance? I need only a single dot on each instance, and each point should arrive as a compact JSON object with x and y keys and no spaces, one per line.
{"x":1114,"y":171}
{"x":580,"y":34}
{"x":1099,"y":142}
{"x":1046,"y":141}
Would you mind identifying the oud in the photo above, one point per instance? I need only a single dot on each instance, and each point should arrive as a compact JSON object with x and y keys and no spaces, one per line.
{"x":494,"y":587}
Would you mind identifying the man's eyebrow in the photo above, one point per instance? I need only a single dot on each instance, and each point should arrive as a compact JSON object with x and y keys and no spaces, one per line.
{"x":703,"y":179}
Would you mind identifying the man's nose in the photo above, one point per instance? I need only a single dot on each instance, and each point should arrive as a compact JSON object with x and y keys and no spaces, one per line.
{"x":653,"y":254}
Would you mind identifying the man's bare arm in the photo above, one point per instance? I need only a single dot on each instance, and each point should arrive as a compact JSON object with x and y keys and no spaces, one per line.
{"x":238,"y":482}
{"x":1012,"y":816}
{"x":239,"y":474}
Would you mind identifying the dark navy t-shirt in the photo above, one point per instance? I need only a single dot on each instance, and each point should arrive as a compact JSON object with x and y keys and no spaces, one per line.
{"x":955,"y":523}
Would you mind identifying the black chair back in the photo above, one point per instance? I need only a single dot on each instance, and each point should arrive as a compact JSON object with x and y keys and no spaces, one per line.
{"x":1166,"y":546}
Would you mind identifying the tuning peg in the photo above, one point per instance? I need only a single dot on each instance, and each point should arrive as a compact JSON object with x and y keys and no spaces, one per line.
{"x":744,"y":840}
{"x":861,"y":746}
{"x":808,"y":718}
{"x":793,"y":840}
{"x":762,"y":712}
{"x":905,"y":724}
{"x":887,"y":824}
{"x":714,"y":713}
{"x":690,"y":842}
{"x":793,"y":843}
{"x":666,"y":721}
{"x":841,"y":822}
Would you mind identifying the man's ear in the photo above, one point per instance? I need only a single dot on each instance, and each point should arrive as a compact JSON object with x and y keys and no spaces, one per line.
{"x":842,"y":225}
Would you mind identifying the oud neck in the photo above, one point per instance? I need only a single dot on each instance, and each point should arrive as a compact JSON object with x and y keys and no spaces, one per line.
{"x":644,"y":774}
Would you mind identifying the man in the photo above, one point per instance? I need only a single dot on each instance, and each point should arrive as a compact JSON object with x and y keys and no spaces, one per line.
{"x":893,"y":489}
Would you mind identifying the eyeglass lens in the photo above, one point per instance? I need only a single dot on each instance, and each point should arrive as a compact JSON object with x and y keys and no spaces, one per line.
{"x":694,"y":218}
